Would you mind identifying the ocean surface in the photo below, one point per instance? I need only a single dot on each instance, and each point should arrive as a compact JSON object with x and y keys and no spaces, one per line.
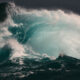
{"x":38,"y":44}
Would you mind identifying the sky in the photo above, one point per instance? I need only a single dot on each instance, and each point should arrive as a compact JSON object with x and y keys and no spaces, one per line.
{"x":72,"y":5}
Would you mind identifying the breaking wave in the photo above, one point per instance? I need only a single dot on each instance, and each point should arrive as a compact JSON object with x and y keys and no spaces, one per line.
{"x":37,"y":34}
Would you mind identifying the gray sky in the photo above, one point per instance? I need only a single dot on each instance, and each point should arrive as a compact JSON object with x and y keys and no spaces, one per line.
{"x":73,"y":5}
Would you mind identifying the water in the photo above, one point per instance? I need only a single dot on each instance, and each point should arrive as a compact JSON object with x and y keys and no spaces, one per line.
{"x":32,"y":40}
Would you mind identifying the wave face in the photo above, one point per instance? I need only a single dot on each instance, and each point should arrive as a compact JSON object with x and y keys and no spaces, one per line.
{"x":32,"y":40}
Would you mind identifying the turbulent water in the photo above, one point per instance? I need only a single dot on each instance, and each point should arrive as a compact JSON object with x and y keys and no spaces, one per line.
{"x":31,"y":41}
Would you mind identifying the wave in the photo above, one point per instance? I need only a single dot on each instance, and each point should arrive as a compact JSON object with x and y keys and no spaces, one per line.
{"x":37,"y":34}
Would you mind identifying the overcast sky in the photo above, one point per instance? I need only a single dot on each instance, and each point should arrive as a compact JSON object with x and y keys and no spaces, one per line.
{"x":73,"y":5}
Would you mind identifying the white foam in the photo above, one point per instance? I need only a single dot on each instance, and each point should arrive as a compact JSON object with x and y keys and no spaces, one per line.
{"x":18,"y":49}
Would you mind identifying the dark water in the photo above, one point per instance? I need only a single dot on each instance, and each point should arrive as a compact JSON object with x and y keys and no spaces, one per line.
{"x":62,"y":68}
{"x":38,"y":44}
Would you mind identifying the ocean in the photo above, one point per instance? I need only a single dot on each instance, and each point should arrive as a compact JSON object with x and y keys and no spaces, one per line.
{"x":38,"y":44}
